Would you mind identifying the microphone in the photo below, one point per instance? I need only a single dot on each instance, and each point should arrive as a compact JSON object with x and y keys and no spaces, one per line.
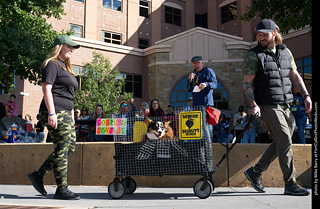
{"x":194,"y":72}
{"x":191,"y":82}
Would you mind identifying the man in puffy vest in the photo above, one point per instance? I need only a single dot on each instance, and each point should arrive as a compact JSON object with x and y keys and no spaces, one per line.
{"x":269,"y":72}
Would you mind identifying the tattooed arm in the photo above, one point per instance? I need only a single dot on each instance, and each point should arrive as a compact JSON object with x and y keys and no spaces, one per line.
{"x":298,"y":83}
{"x":250,"y":67}
{"x":249,"y":92}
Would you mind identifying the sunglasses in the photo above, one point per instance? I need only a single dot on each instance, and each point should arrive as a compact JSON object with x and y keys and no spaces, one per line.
{"x":83,"y":110}
{"x":196,"y":63}
{"x":124,"y":105}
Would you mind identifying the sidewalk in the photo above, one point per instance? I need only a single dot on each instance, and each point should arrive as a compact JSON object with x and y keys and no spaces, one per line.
{"x":22,"y":196}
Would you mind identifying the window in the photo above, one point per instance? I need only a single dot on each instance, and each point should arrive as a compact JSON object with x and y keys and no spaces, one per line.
{"x":110,"y":37}
{"x":172,"y":15}
{"x":201,"y":20}
{"x":143,"y":43}
{"x":144,"y":9}
{"x":77,"y":30}
{"x":76,"y":69}
{"x":133,"y":84}
{"x":220,"y":97}
{"x":112,"y":4}
{"x":180,"y":95}
{"x":229,"y":12}
{"x":305,"y":69}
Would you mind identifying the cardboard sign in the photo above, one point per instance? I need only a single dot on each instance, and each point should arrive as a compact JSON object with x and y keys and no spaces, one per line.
{"x":190,"y":125}
{"x":111,"y":126}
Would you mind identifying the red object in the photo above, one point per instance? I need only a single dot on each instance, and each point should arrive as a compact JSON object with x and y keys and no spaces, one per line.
{"x":28,"y":127}
{"x":213,"y":115}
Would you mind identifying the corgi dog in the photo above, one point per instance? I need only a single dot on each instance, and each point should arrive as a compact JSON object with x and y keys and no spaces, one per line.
{"x":158,"y":130}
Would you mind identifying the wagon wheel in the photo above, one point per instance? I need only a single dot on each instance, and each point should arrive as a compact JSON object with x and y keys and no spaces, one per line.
{"x":116,"y":189}
{"x":202,"y":188}
{"x":212,"y":183}
{"x":130,"y":185}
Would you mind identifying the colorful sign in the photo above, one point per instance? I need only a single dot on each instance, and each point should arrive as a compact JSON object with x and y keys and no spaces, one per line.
{"x":111,"y":126}
{"x":190,"y":125}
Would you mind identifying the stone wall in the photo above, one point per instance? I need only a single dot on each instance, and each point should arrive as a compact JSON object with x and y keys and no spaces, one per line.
{"x":93,"y":164}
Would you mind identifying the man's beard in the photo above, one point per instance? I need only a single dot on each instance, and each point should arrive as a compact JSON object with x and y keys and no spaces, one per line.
{"x":270,"y":44}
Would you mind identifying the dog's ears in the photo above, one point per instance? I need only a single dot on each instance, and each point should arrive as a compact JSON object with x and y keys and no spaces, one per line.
{"x":167,"y":123}
{"x":147,"y":121}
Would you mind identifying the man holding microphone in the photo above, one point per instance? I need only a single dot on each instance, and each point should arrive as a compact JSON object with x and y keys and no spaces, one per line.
{"x":201,"y":83}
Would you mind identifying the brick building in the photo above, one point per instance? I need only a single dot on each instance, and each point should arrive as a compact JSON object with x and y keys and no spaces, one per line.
{"x":152,"y":41}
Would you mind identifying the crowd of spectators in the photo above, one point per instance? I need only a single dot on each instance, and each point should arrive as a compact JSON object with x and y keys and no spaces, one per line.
{"x":19,"y":129}
{"x":257,"y":132}
{"x":222,"y":132}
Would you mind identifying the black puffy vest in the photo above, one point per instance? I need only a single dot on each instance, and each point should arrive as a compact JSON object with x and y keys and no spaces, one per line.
{"x":272,"y":81}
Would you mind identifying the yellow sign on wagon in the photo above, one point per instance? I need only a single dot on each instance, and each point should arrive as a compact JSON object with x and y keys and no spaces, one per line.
{"x":190,"y":125}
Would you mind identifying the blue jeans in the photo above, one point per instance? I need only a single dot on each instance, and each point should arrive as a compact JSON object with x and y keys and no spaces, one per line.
{"x":222,"y":136}
{"x":41,"y":136}
{"x":249,"y":137}
{"x":211,"y":132}
{"x":301,"y":124}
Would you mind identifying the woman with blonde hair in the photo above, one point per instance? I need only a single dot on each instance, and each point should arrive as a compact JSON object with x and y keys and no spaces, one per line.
{"x":56,"y":113}
{"x":144,"y":110}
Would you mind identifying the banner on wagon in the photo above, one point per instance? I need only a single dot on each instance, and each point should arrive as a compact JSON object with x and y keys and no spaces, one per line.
{"x":111,"y":126}
{"x":190,"y":125}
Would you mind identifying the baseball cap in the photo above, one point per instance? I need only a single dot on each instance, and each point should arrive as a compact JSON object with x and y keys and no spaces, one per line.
{"x":170,"y":106}
{"x":196,"y":59}
{"x":265,"y":26}
{"x":64,"y":39}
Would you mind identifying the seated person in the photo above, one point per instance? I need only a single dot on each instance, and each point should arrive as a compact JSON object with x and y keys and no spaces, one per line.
{"x":84,"y":128}
{"x":124,"y":109}
{"x":12,"y":105}
{"x":97,"y":114}
{"x":39,"y":127}
{"x":170,"y":111}
{"x":144,"y":110}
{"x":155,"y":109}
{"x":125,"y":113}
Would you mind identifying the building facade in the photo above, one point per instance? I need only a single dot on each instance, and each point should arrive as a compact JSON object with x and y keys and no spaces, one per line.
{"x":151,"y":42}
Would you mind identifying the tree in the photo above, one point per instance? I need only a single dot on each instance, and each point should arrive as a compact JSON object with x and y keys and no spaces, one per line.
{"x":100,"y":84}
{"x":25,"y":38}
{"x":288,"y":14}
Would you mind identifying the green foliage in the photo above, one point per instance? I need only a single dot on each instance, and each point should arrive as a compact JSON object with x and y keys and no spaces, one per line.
{"x":100,"y":84}
{"x":25,"y":38}
{"x":288,"y":14}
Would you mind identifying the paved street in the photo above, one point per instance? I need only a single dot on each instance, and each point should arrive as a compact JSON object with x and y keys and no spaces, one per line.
{"x":24,"y":196}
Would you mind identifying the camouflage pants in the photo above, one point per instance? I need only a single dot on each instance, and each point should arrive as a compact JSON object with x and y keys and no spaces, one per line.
{"x":64,"y":140}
